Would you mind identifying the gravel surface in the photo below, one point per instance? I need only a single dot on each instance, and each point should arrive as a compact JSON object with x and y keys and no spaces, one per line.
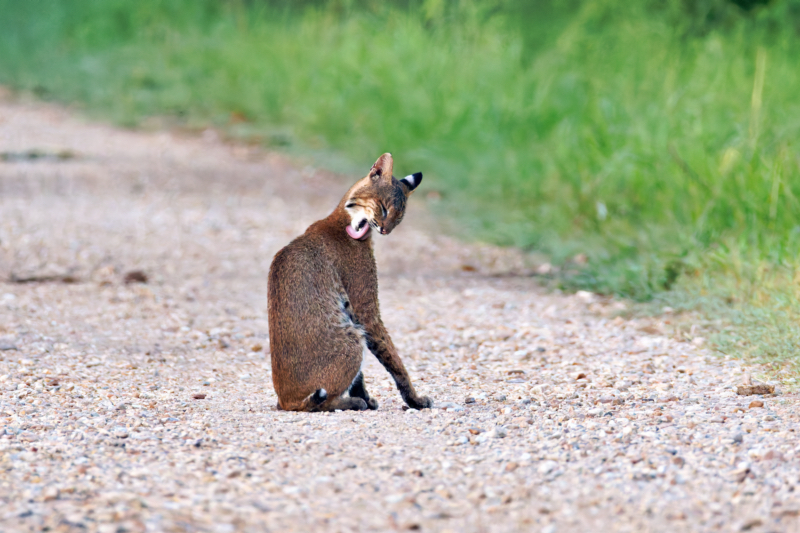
{"x":147,"y":405}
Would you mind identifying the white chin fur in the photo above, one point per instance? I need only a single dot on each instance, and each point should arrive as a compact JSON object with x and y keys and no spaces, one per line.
{"x":357,"y":215}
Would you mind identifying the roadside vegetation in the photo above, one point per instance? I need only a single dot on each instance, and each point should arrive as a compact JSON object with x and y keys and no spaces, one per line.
{"x":656,"y":139}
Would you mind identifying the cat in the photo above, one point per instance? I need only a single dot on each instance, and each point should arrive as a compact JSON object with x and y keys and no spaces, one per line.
{"x":323,"y":302}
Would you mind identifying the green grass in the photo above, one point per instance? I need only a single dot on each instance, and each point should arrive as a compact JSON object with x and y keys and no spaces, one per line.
{"x":754,"y":315}
{"x":657,"y":138}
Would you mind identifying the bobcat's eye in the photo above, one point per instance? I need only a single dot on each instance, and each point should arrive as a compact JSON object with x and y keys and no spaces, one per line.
{"x":383,"y":211}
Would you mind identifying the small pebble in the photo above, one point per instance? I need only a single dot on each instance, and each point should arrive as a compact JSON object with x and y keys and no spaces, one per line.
{"x":545,"y":467}
{"x":773,"y":455}
{"x":50,"y":493}
{"x":499,"y":432}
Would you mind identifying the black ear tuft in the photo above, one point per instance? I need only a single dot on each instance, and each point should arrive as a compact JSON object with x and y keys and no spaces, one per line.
{"x":412,"y":181}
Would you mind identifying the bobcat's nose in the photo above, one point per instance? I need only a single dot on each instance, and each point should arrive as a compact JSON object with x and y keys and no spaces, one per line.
{"x":383,"y":231}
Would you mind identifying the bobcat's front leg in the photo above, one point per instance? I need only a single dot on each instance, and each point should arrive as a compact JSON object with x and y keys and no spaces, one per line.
{"x":380,"y":344}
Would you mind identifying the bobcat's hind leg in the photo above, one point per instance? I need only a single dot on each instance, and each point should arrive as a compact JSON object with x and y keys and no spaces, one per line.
{"x":343,"y":403}
{"x":358,"y":390}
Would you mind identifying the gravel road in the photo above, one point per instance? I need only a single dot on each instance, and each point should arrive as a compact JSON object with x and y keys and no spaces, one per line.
{"x":131,"y":406}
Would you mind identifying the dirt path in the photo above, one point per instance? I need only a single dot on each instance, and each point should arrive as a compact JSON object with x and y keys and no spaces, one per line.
{"x":551,"y":415}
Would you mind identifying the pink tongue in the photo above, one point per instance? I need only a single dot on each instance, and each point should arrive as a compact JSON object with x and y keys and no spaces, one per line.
{"x":357,"y":234}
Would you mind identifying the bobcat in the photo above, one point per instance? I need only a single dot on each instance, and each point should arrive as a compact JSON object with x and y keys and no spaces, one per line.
{"x":323,"y":302}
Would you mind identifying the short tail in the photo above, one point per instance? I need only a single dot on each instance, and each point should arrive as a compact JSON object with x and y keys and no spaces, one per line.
{"x":313,"y":400}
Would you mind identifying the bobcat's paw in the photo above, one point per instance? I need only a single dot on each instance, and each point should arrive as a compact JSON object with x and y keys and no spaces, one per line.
{"x":421,"y":402}
{"x":372,"y":403}
{"x":357,"y":404}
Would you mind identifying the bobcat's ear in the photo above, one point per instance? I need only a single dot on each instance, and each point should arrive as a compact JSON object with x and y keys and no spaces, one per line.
{"x":382,"y":168}
{"x":412,"y":181}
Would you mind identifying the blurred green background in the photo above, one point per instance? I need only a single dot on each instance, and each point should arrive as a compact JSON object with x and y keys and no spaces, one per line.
{"x":657,"y":138}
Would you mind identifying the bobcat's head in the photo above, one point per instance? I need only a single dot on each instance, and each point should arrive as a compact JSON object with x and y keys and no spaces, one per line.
{"x":379,"y":200}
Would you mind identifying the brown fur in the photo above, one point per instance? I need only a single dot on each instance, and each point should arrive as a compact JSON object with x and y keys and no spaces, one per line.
{"x":323,"y":303}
